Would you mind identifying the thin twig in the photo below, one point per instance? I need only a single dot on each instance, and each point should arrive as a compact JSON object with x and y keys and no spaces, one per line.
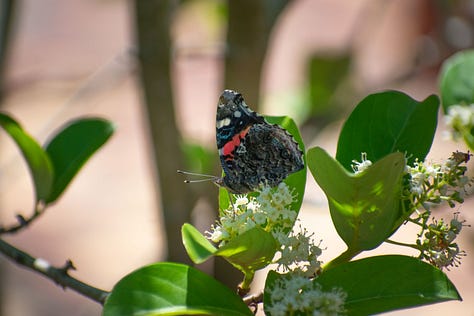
{"x":23,"y":221}
{"x":60,"y":275}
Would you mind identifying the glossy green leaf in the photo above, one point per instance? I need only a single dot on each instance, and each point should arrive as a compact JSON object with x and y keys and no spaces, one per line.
{"x":199,"y":249}
{"x":72,"y":146}
{"x":364,"y":207}
{"x":172,"y":289}
{"x":388,"y":122}
{"x":250,"y":251}
{"x":385,"y":283}
{"x":456,"y":79}
{"x":38,"y":161}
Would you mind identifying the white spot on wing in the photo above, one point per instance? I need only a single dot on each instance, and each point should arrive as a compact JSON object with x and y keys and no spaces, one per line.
{"x":224,"y":122}
{"x":237,"y":114}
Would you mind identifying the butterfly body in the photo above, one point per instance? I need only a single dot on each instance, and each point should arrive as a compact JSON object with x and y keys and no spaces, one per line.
{"x":252,"y":152}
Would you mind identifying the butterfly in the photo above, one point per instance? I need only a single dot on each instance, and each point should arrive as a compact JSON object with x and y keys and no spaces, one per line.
{"x":252,"y":151}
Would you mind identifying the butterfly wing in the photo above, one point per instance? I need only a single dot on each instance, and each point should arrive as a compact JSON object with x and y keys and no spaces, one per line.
{"x":267,"y":155}
{"x":252,"y":151}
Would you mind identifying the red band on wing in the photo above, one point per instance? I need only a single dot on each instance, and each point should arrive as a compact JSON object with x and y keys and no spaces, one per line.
{"x":229,"y":147}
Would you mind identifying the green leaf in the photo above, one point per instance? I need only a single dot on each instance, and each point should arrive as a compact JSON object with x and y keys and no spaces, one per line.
{"x":456,"y":79}
{"x":199,"y":158}
{"x":385,"y":283}
{"x":326,"y":73}
{"x":272,"y":277}
{"x":72,"y":146}
{"x":388,"y":122}
{"x":199,"y":249}
{"x":364,"y":207}
{"x":224,"y":199}
{"x":250,"y":251}
{"x":172,"y":289}
{"x":38,"y":161}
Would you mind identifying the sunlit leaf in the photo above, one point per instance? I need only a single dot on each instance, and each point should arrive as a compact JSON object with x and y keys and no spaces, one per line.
{"x":199,"y":249}
{"x":172,"y":289}
{"x":364,"y":207}
{"x":250,"y":251}
{"x":385,"y":283}
{"x":456,"y":79}
{"x":37,"y":160}
{"x":72,"y":146}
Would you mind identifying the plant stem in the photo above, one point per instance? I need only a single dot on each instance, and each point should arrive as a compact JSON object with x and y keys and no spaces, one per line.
{"x":24,"y":221}
{"x":59,"y":275}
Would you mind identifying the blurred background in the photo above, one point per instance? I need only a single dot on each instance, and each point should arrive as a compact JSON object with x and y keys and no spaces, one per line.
{"x":156,"y":69}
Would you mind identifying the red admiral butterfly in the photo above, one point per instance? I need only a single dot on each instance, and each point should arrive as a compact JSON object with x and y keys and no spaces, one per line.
{"x":252,"y":151}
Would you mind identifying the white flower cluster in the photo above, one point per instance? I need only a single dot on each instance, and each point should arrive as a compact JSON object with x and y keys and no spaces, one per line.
{"x":437,"y":183}
{"x":430,"y":185}
{"x":300,"y":295}
{"x":270,"y":210}
{"x":438,"y":246}
{"x":461,"y":119}
{"x":298,"y":253}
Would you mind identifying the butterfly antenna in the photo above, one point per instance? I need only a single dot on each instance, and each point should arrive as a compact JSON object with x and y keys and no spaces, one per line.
{"x":206,"y":177}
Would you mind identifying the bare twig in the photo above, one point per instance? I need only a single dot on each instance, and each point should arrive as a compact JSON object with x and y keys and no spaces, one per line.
{"x":23,"y":221}
{"x":60,"y":275}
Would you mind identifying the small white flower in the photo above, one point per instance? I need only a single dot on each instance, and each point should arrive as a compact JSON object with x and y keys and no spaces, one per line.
{"x":416,"y":189}
{"x":241,"y":200}
{"x":359,"y":167}
{"x":299,"y":253}
{"x":432,"y":171}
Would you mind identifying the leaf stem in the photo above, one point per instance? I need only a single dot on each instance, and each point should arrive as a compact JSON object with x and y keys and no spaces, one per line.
{"x":244,"y":287}
{"x":409,"y":219}
{"x":60,"y":275}
{"x":344,"y":257}
{"x":393,"y":242}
